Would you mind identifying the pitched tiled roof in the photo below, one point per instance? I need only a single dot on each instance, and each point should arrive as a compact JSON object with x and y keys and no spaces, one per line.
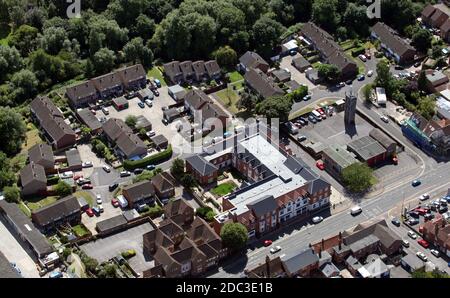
{"x":88,"y":118}
{"x":82,"y":90}
{"x":32,"y":172}
{"x":428,"y":11}
{"x":113,"y":128}
{"x":196,"y":98}
{"x":212,"y":67}
{"x":163,"y":181}
{"x":107,"y":81}
{"x":252,"y":60}
{"x":41,"y":153}
{"x":201,"y":165}
{"x":263,"y":85}
{"x":389,"y":37}
{"x":140,"y":190}
{"x":131,"y":73}
{"x":172,"y":69}
{"x":199,"y":67}
{"x":186,"y":68}
{"x":61,"y":208}
{"x":130,"y":144}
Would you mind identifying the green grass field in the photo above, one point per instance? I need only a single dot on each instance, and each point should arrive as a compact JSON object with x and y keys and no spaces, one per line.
{"x":223,"y":189}
{"x":156,"y":73}
{"x":86,"y":195}
{"x":41,"y":203}
{"x":235,"y":76}
{"x":24,"y":209}
{"x":80,"y":230}
{"x":228,"y":98}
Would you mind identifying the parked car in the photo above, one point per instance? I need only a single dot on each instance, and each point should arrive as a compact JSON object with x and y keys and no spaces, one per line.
{"x":361,"y":77}
{"x":106,"y":168}
{"x":125,"y":174}
{"x":428,"y":216}
{"x":340,"y":85}
{"x":100,"y":208}
{"x":115,"y":203}
{"x":151,"y":133}
{"x":317,"y":219}
{"x":55,"y":274}
{"x":87,"y":164}
{"x":416,"y":182}
{"x":312,"y":119}
{"x":384,"y":119}
{"x":355,"y":210}
{"x":320,"y":165}
{"x":413,"y":221}
{"x":89,"y":212}
{"x":157,"y":83}
{"x":349,"y":82}
{"x":422,"y":256}
{"x":77,"y":177}
{"x":149,"y":103}
{"x":267,"y":242}
{"x":105,"y":111}
{"x":424,"y":197}
{"x":113,"y":186}
{"x":275,"y":249}
{"x":423,"y":243}
{"x":421,"y":211}
{"x":395,"y":222}
{"x":150,"y":167}
{"x":370,"y":73}
{"x":83,"y":181}
{"x":443,"y":209}
{"x":301,"y":138}
{"x":96,"y":211}
{"x":155,"y":92}
{"x":87,"y":186}
{"x":435,"y":253}
{"x":362,"y":58}
{"x":141,"y":105}
{"x":307,"y":97}
{"x":405,"y":243}
{"x":412,"y":235}
{"x":98,"y":199}
{"x":417,"y":64}
{"x":399,"y":67}
{"x":303,"y":121}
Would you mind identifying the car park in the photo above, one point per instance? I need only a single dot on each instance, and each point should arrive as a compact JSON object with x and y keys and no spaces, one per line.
{"x":275,"y":249}
{"x":89,"y":212}
{"x":141,"y":105}
{"x":423,"y":243}
{"x":106,"y":168}
{"x":87,"y":186}
{"x":435,"y":253}
{"x":317,"y":219}
{"x":412,"y":235}
{"x":267,"y":242}
{"x":422,"y":256}
{"x":87,"y":164}
{"x":395,"y":222}
{"x":125,"y":174}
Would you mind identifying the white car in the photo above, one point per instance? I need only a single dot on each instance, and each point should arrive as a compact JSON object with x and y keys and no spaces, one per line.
{"x":151,"y":133}
{"x":149,"y":103}
{"x":424,"y":197}
{"x":125,"y":174}
{"x":422,"y":256}
{"x":100,"y":208}
{"x":435,"y":253}
{"x":68,"y":174}
{"x":405,"y":243}
{"x":275,"y":249}
{"x":87,"y":164}
{"x":370,"y":73}
{"x":106,"y":168}
{"x":99,"y":199}
{"x":317,"y":219}
{"x":412,"y":235}
{"x":384,"y":119}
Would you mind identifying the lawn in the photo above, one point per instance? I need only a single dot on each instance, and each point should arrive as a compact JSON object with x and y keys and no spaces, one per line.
{"x":32,"y":137}
{"x":223,"y":189}
{"x":41,"y":203}
{"x":80,"y":230}
{"x":359,"y":63}
{"x":86,"y":195}
{"x":24,"y":209}
{"x":156,"y":73}
{"x":235,"y":76}
{"x":228,"y":98}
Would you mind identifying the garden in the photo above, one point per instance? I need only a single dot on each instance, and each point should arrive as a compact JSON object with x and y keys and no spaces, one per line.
{"x":224,"y":188}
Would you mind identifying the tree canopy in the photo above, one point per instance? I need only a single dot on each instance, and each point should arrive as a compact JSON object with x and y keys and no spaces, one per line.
{"x":358,"y":177}
{"x":12,"y":131}
{"x":234,"y":235}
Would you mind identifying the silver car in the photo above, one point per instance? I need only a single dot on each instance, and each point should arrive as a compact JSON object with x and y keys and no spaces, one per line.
{"x":275,"y":249}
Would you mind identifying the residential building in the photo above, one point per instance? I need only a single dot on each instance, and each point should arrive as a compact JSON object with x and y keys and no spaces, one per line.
{"x":312,"y":74}
{"x":109,"y":85}
{"x":199,"y":68}
{"x":392,"y":44}
{"x":328,"y":49}
{"x":262,"y":84}
{"x":57,"y":132}
{"x":202,"y":108}
{"x":128,"y":145}
{"x":160,"y":142}
{"x":281,"y":75}
{"x":436,"y":81}
{"x":145,"y":94}
{"x":300,"y":63}
{"x":213,"y":70}
{"x":437,"y":231}
{"x":64,"y":211}
{"x":143,"y":122}
{"x":271,"y":268}
{"x":438,"y":18}
{"x":187,"y":70}
{"x":336,"y":158}
{"x":251,"y":60}
{"x":300,"y":263}
{"x":368,"y":150}
{"x":173,"y":72}
{"x":74,"y":162}
{"x":202,"y":170}
{"x":25,"y":229}
{"x":289,"y":48}
{"x":133,"y":77}
{"x":42,"y":154}
{"x":33,"y":179}
{"x":88,"y":118}
{"x":412,"y":263}
{"x":82,"y":95}
{"x":426,"y":14}
{"x":164,"y":185}
{"x":281,"y":187}
{"x":139,"y":193}
{"x":179,"y":211}
{"x":113,"y":128}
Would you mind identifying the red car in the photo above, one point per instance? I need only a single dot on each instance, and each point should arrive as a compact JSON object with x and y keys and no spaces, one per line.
{"x":115,"y":203}
{"x":76,"y":177}
{"x":89,"y":212}
{"x":395,"y":160}
{"x":267,"y":242}
{"x":421,"y":211}
{"x":320,"y":165}
{"x":423,"y":242}
{"x":320,"y":110}
{"x":87,"y":186}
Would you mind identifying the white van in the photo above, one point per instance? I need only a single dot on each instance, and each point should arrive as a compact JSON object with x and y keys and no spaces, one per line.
{"x":355,"y":210}
{"x":317,"y":114}
{"x":105,"y":110}
{"x":122,"y":201}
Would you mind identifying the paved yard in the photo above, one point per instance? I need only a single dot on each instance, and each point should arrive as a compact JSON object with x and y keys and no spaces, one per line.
{"x":295,"y":74}
{"x":16,"y":253}
{"x":107,"y":248}
{"x":86,"y":154}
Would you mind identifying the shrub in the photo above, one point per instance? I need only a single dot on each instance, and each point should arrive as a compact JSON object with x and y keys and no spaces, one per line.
{"x":128,"y":253}
{"x":53,"y":180}
{"x":134,"y":164}
{"x":202,"y":211}
{"x":153,"y":212}
{"x":358,"y":51}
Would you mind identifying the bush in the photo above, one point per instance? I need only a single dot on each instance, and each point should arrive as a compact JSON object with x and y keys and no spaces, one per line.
{"x":53,"y":180}
{"x":128,"y":253}
{"x":202,"y":211}
{"x":153,"y":212}
{"x":134,"y":164}
{"x":358,"y":51}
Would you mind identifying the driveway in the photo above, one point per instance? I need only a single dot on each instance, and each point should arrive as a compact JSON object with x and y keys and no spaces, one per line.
{"x":109,"y":247}
{"x":16,"y":253}
{"x":296,"y":75}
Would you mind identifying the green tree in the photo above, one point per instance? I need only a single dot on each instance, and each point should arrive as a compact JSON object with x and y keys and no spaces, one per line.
{"x":328,"y":71}
{"x":12,"y":131}
{"x":24,"y":85}
{"x":25,"y":39}
{"x":145,"y":175}
{"x":63,"y":189}
{"x":177,"y":168}
{"x":85,"y":132}
{"x":266,"y":35}
{"x":53,"y":39}
{"x":283,"y":11}
{"x":136,"y":51}
{"x":226,"y":57}
{"x":324,"y":14}
{"x":358,"y":177}
{"x":11,"y":194}
{"x":188,"y":181}
{"x":436,"y":273}
{"x":247,"y":101}
{"x":144,"y":27}
{"x":299,"y":94}
{"x":384,"y":77}
{"x":131,"y":121}
{"x":275,"y":107}
{"x":421,"y":39}
{"x":90,"y":263}
{"x":103,"y":61}
{"x":234,"y":235}
{"x":367,"y":92}
{"x":427,"y":107}
{"x":7,"y":176}
{"x":10,"y":61}
{"x":422,"y":81}
{"x":355,"y":19}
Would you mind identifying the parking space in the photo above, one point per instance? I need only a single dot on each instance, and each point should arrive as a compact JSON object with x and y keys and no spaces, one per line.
{"x":296,"y":75}
{"x":106,"y":248}
{"x":86,"y":154}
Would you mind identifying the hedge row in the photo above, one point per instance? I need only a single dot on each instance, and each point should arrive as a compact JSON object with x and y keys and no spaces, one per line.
{"x":53,"y":180}
{"x":358,"y":51}
{"x":142,"y":163}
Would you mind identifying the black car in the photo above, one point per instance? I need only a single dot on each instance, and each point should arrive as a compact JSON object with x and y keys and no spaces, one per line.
{"x":398,"y":67}
{"x":417,"y":64}
{"x":443,"y":209}
{"x":413,"y":221}
{"x":138,"y":171}
{"x":428,"y":216}
{"x":302,"y":121}
{"x":395,"y":222}
{"x":113,"y":186}
{"x":349,"y":82}
{"x":414,"y":214}
{"x":165,"y":121}
{"x":156,"y":92}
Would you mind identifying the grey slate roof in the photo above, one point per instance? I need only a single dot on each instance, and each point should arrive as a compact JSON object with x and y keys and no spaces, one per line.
{"x":381,"y":138}
{"x":340,"y":155}
{"x":366,"y":147}
{"x":159,"y":140}
{"x":82,"y":90}
{"x":329,"y":269}
{"x":88,"y":118}
{"x":281,"y":74}
{"x":130,"y":144}
{"x":201,"y":165}
{"x":61,"y":208}
{"x":212,"y":68}
{"x":32,"y":172}
{"x":252,"y":60}
{"x":300,"y":62}
{"x":41,"y":153}
{"x":113,"y":128}
{"x":196,"y":99}
{"x":73,"y":157}
{"x":107,"y":81}
{"x":110,"y":223}
{"x":26,"y":228}
{"x":132,"y":73}
{"x":140,"y":190}
{"x":263,"y":205}
{"x":262,"y":84}
{"x":390,"y":38}
{"x":295,"y":262}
